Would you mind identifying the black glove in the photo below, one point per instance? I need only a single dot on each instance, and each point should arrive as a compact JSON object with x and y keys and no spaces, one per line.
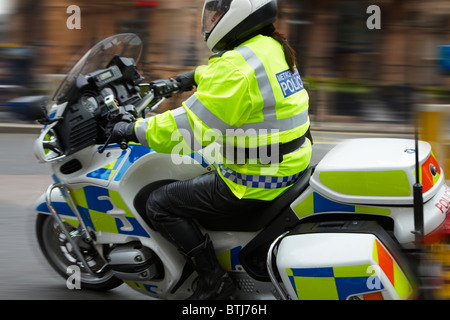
{"x":187,"y":80}
{"x":165,"y":88}
{"x":121,"y":131}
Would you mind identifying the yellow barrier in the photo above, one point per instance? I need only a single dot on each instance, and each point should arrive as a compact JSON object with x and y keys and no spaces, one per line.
{"x":433,"y":119}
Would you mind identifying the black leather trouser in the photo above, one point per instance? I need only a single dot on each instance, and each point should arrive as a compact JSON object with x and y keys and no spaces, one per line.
{"x":172,"y":208}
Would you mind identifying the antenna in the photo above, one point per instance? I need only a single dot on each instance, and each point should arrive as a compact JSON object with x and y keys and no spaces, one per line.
{"x":418,"y":196}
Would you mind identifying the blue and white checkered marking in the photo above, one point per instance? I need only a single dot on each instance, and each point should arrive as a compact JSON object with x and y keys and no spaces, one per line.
{"x":252,"y":181}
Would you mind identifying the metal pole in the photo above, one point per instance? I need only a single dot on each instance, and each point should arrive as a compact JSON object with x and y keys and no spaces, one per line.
{"x":418,"y":197}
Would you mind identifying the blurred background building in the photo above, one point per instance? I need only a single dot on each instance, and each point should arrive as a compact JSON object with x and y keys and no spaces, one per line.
{"x":353,"y":73}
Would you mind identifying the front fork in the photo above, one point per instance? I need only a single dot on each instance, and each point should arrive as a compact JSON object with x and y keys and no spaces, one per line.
{"x":73,"y":236}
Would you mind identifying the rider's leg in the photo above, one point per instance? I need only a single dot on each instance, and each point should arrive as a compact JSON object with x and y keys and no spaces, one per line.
{"x":172,"y":209}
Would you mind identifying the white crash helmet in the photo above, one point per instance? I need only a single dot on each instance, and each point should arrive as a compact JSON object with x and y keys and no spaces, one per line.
{"x":227,"y":22}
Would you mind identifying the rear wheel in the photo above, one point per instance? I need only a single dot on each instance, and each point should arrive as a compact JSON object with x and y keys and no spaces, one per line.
{"x":59,"y":253}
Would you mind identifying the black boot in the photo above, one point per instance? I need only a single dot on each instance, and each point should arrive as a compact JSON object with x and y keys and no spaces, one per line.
{"x":213,"y":282}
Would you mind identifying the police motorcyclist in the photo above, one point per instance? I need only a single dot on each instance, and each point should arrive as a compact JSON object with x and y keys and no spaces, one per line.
{"x":250,"y":87}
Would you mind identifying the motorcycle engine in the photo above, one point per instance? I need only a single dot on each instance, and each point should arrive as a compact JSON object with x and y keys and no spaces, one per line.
{"x":133,"y":261}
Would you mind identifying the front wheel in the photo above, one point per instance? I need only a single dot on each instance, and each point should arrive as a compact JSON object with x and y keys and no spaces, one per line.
{"x":60,"y":255}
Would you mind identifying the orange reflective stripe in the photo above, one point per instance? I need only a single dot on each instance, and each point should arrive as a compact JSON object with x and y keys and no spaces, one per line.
{"x":385,"y":262}
{"x":392,"y":271}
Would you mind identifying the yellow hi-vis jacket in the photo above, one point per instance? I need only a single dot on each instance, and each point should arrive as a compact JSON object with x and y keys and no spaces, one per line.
{"x":245,"y":98}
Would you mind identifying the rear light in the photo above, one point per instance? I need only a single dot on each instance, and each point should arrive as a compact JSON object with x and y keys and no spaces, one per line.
{"x":373,"y":296}
{"x":367,"y":296}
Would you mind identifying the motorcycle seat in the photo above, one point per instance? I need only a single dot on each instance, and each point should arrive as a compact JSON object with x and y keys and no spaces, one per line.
{"x":257,"y":219}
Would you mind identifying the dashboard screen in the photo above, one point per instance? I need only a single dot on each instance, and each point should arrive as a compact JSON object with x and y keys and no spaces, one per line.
{"x":105,"y":75}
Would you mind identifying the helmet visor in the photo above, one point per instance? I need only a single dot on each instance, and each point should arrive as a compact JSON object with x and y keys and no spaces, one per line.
{"x":213,"y":11}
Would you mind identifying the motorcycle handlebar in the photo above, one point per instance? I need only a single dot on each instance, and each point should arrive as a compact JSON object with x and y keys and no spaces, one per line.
{"x":166,"y":88}
{"x":162,"y":88}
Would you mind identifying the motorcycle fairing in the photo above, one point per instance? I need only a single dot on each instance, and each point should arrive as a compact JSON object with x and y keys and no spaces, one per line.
{"x":97,"y":186}
{"x":140,"y":286}
{"x":105,"y":211}
{"x":102,"y":210}
{"x":61,"y":206}
{"x":314,"y":202}
{"x":106,"y":172}
{"x":229,"y":260}
{"x":119,"y":166}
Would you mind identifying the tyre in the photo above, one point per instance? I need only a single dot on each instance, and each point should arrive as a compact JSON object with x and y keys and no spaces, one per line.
{"x":60,"y":255}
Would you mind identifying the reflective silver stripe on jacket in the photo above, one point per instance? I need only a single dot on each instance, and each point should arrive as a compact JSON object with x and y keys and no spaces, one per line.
{"x":214,"y":122}
{"x":270,"y":122}
{"x":185,"y":129}
{"x":265,"y":87}
{"x":206,"y":116}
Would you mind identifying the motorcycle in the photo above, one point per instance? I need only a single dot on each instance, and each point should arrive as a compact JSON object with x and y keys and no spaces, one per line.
{"x":346,"y":229}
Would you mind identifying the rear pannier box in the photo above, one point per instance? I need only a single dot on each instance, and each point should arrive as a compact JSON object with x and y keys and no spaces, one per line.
{"x":348,"y":260}
{"x":377,"y":171}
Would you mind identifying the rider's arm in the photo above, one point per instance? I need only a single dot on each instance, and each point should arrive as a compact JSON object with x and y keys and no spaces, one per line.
{"x":221,"y":102}
{"x":198,"y":73}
